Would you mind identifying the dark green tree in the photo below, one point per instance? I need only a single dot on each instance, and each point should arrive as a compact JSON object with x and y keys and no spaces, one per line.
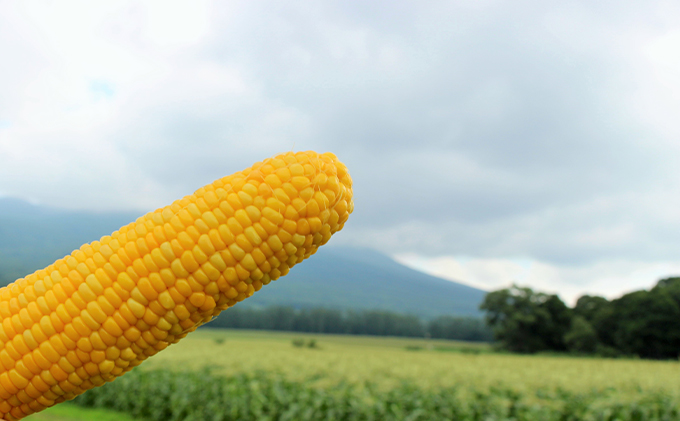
{"x":587,"y":306}
{"x":672,"y":283}
{"x":581,"y":338}
{"x":526,"y":321}
{"x":642,"y":323}
{"x":670,"y":286}
{"x":462,"y":328}
{"x":558,"y":323}
{"x":647,"y":323}
{"x":358,"y":322}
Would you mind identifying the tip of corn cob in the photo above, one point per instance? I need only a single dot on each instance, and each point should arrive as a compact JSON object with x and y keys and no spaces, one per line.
{"x":97,"y":313}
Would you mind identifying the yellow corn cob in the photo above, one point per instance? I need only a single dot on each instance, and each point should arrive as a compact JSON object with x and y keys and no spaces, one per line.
{"x":96,"y":314}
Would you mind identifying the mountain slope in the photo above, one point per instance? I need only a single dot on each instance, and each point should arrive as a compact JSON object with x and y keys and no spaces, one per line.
{"x":31,"y":237}
{"x":355,"y":278}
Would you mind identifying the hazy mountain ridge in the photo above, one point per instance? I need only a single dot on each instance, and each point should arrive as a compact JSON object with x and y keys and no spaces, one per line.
{"x":32,"y":237}
{"x":340,"y":277}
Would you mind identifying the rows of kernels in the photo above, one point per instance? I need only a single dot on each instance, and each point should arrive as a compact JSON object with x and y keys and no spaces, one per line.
{"x":101,"y":311}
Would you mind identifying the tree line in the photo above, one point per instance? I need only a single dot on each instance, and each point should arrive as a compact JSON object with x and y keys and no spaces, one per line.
{"x":642,"y":323}
{"x":369,"y":322}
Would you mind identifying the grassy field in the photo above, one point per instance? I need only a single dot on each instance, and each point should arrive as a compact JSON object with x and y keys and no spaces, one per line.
{"x":430,"y":364}
{"x":68,"y":412}
{"x":263,"y":375}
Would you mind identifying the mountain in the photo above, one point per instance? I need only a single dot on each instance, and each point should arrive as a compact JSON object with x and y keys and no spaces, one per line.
{"x":31,"y":237}
{"x":356,"y":278}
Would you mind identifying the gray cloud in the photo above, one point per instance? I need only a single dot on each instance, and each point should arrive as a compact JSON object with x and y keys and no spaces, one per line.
{"x":502,"y":129}
{"x":487,"y":129}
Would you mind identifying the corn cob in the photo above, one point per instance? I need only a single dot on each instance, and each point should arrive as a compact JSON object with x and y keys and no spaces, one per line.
{"x":97,"y":313}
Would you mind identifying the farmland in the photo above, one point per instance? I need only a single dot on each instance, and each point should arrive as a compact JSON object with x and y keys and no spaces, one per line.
{"x":429,"y":364}
{"x":69,"y":412}
{"x":367,"y":377}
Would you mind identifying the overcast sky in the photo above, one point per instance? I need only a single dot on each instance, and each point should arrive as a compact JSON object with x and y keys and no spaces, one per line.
{"x":489,"y":141}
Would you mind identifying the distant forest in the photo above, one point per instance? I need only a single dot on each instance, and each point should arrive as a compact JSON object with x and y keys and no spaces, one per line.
{"x":642,"y":323}
{"x":380,"y":323}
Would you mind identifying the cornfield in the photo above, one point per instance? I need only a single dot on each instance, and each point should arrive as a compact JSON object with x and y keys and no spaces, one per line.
{"x":161,"y":395}
{"x":266,"y":376}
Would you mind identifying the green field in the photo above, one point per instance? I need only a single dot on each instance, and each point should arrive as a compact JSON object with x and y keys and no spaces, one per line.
{"x":431,"y":364}
{"x":69,"y":412}
{"x":262,"y":375}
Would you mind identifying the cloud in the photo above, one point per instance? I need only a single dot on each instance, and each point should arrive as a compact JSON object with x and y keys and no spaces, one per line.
{"x":489,"y":129}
